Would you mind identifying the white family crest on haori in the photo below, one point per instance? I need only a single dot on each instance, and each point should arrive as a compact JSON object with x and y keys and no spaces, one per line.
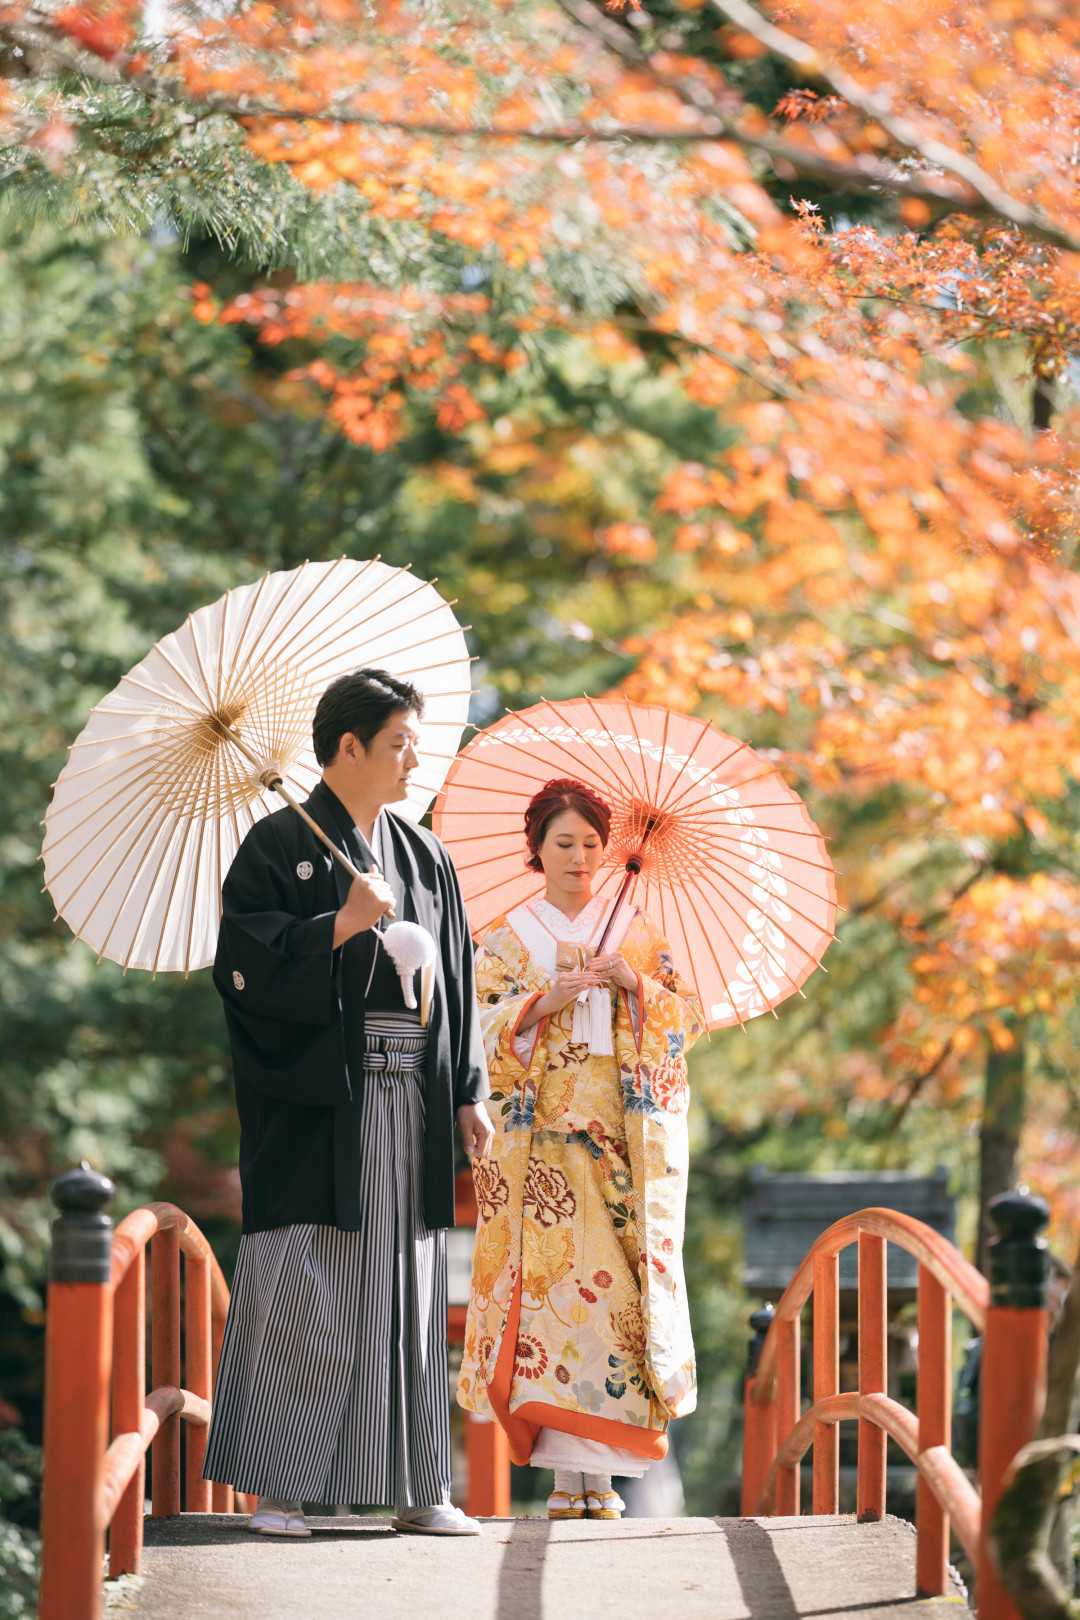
{"x":706,"y":837}
{"x":213,"y":728}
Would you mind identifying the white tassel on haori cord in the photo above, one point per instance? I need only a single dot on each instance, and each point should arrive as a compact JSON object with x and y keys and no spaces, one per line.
{"x":410,"y":948}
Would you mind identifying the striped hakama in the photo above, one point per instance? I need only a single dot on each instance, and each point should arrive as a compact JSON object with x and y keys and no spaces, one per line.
{"x":333,"y":1383}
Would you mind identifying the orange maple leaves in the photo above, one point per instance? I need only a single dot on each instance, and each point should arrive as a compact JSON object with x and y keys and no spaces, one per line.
{"x":390,"y":345}
{"x":882,"y":552}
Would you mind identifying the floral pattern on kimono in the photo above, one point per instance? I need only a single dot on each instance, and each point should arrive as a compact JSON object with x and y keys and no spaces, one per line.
{"x":581,"y":1208}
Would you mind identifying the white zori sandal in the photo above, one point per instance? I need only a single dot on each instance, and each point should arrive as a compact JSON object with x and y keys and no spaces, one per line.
{"x":441,"y":1520}
{"x":275,"y":1518}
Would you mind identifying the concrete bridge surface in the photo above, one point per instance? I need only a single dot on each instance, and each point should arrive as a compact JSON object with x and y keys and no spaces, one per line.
{"x":204,"y":1567}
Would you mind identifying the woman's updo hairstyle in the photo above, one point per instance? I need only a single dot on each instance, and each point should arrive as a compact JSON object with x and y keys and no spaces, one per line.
{"x":554,"y":799}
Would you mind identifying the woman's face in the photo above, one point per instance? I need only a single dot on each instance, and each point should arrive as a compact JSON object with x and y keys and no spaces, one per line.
{"x":571,"y":852}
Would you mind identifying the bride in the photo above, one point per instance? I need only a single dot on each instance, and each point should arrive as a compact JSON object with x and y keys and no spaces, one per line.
{"x":578,"y":1336}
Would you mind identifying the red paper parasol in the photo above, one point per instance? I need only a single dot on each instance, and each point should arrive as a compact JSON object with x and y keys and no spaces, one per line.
{"x":708,"y":837}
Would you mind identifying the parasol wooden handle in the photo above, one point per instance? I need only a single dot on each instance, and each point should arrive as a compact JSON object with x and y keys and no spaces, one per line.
{"x":271,"y":778}
{"x":273,"y":781}
{"x":633,"y":869}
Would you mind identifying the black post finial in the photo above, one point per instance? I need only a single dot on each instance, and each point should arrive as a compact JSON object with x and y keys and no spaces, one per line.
{"x":760,"y":1321}
{"x":82,"y":1232}
{"x":1018,"y":1258}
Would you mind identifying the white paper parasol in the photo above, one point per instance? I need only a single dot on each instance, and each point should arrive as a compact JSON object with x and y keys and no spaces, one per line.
{"x":181,"y":759}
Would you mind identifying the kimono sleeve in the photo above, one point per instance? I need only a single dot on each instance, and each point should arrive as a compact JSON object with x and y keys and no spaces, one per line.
{"x":666,"y":1001}
{"x":503,"y":1001}
{"x":651,"y":1048}
{"x":272,"y":961}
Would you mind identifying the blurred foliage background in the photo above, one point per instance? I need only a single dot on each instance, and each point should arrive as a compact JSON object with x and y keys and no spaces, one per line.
{"x":148,"y":461}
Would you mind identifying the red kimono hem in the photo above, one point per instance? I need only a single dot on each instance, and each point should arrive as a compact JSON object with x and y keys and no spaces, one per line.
{"x":523,"y":1425}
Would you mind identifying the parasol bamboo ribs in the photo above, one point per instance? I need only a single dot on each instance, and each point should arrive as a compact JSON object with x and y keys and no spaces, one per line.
{"x":270,"y":778}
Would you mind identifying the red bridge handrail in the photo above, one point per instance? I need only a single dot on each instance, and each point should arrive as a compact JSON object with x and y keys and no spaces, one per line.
{"x":99,"y":1419}
{"x":135,"y":1231}
{"x":951,"y":1486}
{"x":778,"y":1433}
{"x":963,"y":1283}
{"x":96,"y":1386}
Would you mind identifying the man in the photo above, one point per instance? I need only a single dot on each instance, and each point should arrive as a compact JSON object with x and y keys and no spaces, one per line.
{"x":333,"y":1379}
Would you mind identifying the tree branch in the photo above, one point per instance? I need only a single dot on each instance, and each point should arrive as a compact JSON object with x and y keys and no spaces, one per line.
{"x":916,"y":1083}
{"x":769,"y":381}
{"x":994,"y":200}
{"x":47,"y":39}
{"x":863,"y":174}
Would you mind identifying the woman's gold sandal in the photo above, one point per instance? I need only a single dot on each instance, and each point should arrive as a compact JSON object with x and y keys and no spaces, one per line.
{"x":608,"y":1506}
{"x":574,"y":1509}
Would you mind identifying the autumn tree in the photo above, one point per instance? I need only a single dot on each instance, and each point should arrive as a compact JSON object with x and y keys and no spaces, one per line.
{"x":883,"y":553}
{"x":723,"y":352}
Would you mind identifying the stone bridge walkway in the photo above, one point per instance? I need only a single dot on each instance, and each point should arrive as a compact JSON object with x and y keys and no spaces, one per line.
{"x":202,"y":1567}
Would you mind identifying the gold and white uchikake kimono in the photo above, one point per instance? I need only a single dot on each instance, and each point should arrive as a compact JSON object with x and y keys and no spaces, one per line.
{"x":578,"y":1336}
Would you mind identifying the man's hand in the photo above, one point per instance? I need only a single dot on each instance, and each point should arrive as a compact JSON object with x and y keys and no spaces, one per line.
{"x":477,"y":1132}
{"x":370,"y":897}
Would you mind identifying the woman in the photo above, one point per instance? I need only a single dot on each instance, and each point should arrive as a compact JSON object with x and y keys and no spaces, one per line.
{"x":578,"y":1337}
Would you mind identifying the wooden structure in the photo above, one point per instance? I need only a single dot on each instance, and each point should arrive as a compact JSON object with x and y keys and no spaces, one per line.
{"x":784,"y":1213}
{"x":95,"y":1385}
{"x":1010,"y":1310}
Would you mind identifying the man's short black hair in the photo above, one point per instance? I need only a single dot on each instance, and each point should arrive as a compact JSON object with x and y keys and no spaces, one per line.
{"x":361,"y":703}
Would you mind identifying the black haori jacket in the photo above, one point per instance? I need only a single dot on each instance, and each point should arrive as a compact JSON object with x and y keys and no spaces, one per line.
{"x":295,"y":1010}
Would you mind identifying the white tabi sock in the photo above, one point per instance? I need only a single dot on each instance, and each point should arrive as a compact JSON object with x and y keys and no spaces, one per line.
{"x":568,"y":1482}
{"x":598,"y":1484}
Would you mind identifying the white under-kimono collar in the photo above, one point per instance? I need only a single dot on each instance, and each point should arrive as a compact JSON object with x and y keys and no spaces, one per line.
{"x":377,"y":842}
{"x":542,"y":928}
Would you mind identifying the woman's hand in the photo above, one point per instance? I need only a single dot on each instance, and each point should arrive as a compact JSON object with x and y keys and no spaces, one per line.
{"x":614,"y":966}
{"x":564,"y":989}
{"x":477,"y":1131}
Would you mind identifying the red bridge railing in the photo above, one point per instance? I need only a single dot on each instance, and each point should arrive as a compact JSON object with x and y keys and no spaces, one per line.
{"x":95,"y":1383}
{"x":95,"y":1387}
{"x":1010,"y":1310}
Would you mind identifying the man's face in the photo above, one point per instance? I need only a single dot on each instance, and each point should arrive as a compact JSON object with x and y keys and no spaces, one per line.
{"x":390,"y":758}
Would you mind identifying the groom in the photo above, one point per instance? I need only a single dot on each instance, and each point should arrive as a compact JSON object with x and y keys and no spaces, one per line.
{"x":333,"y":1383}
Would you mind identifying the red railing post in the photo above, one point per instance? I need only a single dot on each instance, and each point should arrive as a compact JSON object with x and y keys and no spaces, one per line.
{"x":788,"y":1410}
{"x":165,"y":1367}
{"x":826,"y":1380}
{"x":759,"y":1422}
{"x":934,"y":1410}
{"x":873,"y":1323}
{"x":487,"y":1458}
{"x":129,"y":1396}
{"x":197,"y":1493}
{"x":78,"y":1346}
{"x":1013,"y":1378}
